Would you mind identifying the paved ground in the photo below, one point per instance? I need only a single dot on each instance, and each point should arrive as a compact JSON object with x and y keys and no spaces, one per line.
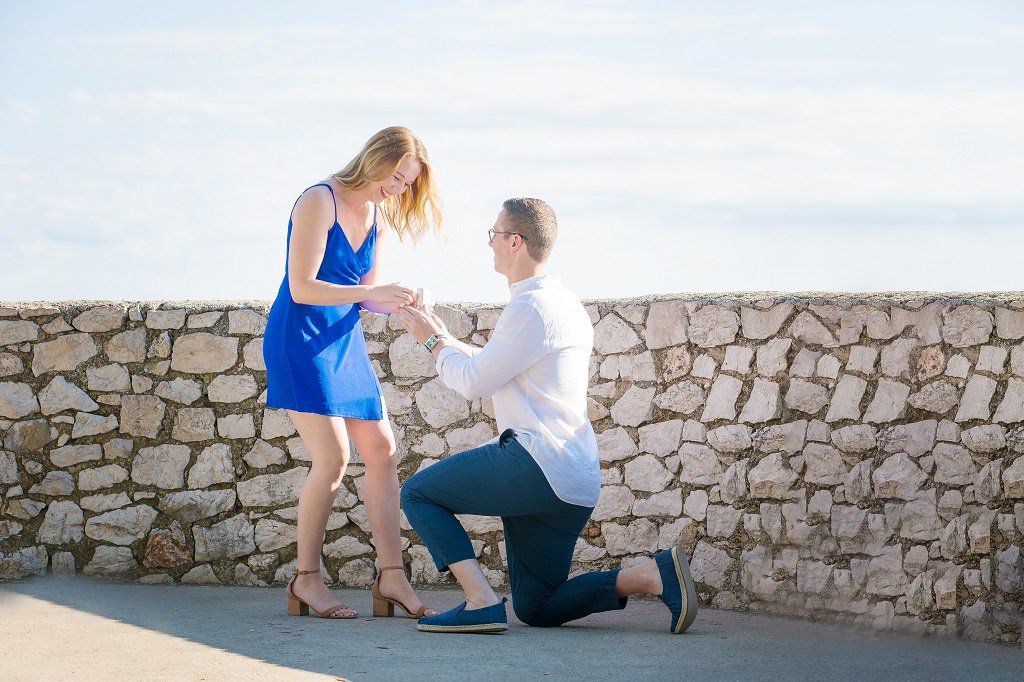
{"x":86,"y":629}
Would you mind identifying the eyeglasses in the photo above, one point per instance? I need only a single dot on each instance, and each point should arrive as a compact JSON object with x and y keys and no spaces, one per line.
{"x":491,"y":232}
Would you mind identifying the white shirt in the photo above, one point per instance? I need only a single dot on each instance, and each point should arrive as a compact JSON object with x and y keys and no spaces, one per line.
{"x":536,"y":370}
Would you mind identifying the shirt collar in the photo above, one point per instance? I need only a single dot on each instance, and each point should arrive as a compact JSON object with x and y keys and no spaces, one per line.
{"x":528,"y":284}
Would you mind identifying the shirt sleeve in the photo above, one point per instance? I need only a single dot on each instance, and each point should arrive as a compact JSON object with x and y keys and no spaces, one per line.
{"x":517,"y":343}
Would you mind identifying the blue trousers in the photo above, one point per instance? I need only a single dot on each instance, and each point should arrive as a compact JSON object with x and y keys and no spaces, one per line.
{"x":502,"y":479}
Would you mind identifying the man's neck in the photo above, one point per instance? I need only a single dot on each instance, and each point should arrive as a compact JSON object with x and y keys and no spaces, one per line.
{"x":526,"y":272}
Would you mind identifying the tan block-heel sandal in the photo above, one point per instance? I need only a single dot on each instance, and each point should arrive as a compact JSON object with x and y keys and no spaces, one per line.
{"x":385,"y":606}
{"x":297,"y":607}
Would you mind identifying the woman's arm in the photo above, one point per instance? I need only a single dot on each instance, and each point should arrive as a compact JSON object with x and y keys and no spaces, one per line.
{"x":312,"y":219}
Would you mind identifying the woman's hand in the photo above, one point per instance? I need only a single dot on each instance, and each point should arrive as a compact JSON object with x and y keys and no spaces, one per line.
{"x":396,"y":294}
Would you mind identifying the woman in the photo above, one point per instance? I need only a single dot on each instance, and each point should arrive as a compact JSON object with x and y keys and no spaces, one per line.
{"x":317,"y":365}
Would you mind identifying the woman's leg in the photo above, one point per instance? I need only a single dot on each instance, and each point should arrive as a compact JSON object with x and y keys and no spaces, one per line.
{"x":376,"y":444}
{"x":327,"y":441}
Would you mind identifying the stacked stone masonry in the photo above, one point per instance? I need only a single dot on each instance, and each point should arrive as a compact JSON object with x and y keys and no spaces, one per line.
{"x":849,"y":457}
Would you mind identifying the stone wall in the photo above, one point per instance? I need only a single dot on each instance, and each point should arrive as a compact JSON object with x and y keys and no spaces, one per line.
{"x":852,"y":457}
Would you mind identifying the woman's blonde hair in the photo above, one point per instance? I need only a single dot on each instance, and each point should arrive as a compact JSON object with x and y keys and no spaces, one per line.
{"x":412,"y":212}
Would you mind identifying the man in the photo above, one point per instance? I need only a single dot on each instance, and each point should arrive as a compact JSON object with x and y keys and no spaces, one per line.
{"x":542,"y":474}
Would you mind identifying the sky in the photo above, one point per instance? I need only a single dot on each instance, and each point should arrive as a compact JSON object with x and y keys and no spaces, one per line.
{"x":153,"y":151}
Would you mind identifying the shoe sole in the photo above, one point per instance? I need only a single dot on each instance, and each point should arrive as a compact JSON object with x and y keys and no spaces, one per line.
{"x":688,"y":613}
{"x":482,"y":628}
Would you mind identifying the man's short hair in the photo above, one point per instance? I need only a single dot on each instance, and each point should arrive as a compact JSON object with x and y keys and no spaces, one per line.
{"x":535,"y":221}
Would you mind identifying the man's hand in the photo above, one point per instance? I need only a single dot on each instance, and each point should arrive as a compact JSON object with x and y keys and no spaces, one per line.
{"x":421,"y":324}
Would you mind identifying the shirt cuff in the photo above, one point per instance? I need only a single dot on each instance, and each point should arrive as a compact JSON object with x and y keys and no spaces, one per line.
{"x":445,"y":353}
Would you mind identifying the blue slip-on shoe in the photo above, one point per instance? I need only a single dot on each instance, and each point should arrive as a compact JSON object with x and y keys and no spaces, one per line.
{"x":678,"y":592}
{"x":487,"y":619}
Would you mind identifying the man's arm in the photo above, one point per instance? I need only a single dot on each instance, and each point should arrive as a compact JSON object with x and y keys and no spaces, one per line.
{"x":516,"y":344}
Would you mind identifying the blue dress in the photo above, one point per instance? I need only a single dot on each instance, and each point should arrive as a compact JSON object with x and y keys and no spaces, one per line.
{"x":316,"y":354}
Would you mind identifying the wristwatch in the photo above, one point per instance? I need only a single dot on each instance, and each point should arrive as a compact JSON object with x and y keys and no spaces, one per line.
{"x":432,"y":341}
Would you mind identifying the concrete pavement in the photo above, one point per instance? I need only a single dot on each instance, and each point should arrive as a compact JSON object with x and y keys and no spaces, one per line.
{"x":87,"y":629}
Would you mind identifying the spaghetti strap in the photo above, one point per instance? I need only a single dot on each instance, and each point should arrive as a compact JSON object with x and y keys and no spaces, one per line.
{"x":333,"y":198}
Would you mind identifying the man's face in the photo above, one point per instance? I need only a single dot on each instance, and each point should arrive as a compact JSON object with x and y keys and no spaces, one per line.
{"x":501,"y":245}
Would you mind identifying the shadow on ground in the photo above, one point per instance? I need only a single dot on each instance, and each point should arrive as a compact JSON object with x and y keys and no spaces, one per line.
{"x":97,"y":629}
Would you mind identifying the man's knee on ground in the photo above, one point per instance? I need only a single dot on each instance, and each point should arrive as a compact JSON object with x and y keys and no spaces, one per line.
{"x":532,"y":613}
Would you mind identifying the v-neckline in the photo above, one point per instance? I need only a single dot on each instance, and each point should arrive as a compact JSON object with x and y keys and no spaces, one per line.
{"x":355,"y":251}
{"x":337,"y":223}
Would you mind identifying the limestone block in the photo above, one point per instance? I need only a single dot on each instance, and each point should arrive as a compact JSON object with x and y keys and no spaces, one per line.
{"x":613,"y":335}
{"x":189,"y":506}
{"x":698,"y":465}
{"x":855,"y":438}
{"x":60,"y":394}
{"x":889,"y":402}
{"x":616,"y":501}
{"x":721,"y":402}
{"x":62,"y":524}
{"x":236,"y":426}
{"x":70,"y":455}
{"x":931,"y":363}
{"x":17,"y":400}
{"x":213,"y":465}
{"x":722,"y":520}
{"x":232,"y":388}
{"x":204,"y":353}
{"x":1013,"y":479}
{"x":824,"y":464}
{"x":977,"y":396}
{"x":231,"y":538}
{"x":121,"y":526}
{"x":92,"y":424}
{"x":1009,"y":323}
{"x":646,"y":473}
{"x":938,"y":397}
{"x":966,"y":326}
{"x":640,"y":536}
{"x":762,"y":324}
{"x":54,"y":484}
{"x":953,"y":465}
{"x":616,"y":444}
{"x":272,"y":489}
{"x":809,"y":329}
{"x":732,"y":438}
{"x":1011,"y":407}
{"x":684,"y":397}
{"x":184,"y":391}
{"x":846,"y":400}
{"x":763,"y":404}
{"x":713,"y":325}
{"x":439,"y":405}
{"x":772,"y":357}
{"x":676,"y":362}
{"x":634,"y":407}
{"x":771,"y":478}
{"x":194,"y":424}
{"x":129,"y":346}
{"x":898,"y":477}
{"x":99,"y":478}
{"x":710,"y":565}
{"x":661,"y":438}
{"x":805,"y":396}
{"x":788,"y":437}
{"x":111,"y":562}
{"x":62,"y":354}
{"x":18,"y":331}
{"x":666,"y":324}
{"x":141,"y":415}
{"x":162,"y":466}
